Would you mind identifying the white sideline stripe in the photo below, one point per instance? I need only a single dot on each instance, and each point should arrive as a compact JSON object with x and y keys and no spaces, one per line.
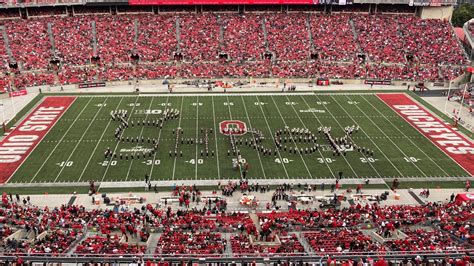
{"x":319,"y":150}
{"x":141,"y":134}
{"x":82,"y":137}
{"x":253,"y":136}
{"x":383,"y":132}
{"x":121,"y":134}
{"x":271,"y":134}
{"x":98,"y":142}
{"x":223,"y":94}
{"x":159,"y":137}
{"x":291,"y":136}
{"x":57,"y":145}
{"x":327,"y":109}
{"x":179,"y":125}
{"x":365,"y":133}
{"x":215,"y":137}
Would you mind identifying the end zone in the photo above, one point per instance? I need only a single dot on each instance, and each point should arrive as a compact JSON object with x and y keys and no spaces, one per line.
{"x":453,"y":144}
{"x":19,"y":144}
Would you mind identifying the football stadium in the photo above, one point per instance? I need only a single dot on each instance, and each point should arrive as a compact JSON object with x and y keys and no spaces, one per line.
{"x":240,"y":132}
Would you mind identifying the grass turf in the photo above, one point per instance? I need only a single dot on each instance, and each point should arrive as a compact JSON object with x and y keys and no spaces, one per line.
{"x":73,"y":151}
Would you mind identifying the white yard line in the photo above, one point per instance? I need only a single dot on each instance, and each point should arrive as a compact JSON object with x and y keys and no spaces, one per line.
{"x":319,"y":150}
{"x":98,"y":142}
{"x":383,"y":132}
{"x":159,"y":136}
{"x":406,"y":137}
{"x":196,"y":140}
{"x":373,"y":142}
{"x":57,"y":145}
{"x":271,"y":134}
{"x":291,"y":137}
{"x":215,"y":138}
{"x":319,"y":121}
{"x":118,"y":142}
{"x":141,"y":134}
{"x":253,"y":136}
{"x":80,"y":140}
{"x":179,"y":125}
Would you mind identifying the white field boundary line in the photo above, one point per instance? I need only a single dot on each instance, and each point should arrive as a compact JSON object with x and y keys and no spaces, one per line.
{"x":196,"y":140}
{"x":118,"y":142}
{"x":370,"y":139}
{"x":97,"y":144}
{"x":383,"y":132}
{"x":253,"y":136}
{"x":179,"y":125}
{"x":320,"y":153}
{"x":291,"y":137}
{"x":319,"y":121}
{"x":440,"y":119}
{"x":60,"y":141}
{"x":159,"y":137}
{"x":141,"y":134}
{"x":224,"y":94}
{"x":80,"y":140}
{"x":319,"y":150}
{"x":215,"y":137}
{"x":406,"y":137}
{"x":271,"y":134}
{"x":49,"y":130}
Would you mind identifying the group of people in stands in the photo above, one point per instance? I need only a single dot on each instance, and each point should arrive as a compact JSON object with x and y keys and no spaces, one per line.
{"x":55,"y":230}
{"x":211,"y":46}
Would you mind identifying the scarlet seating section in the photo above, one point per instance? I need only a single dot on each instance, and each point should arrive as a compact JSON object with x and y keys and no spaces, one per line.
{"x":109,"y":244}
{"x":333,"y":37}
{"x":199,"y":243}
{"x":423,"y":240}
{"x":115,"y":38}
{"x":156,"y":38}
{"x":72,"y":39}
{"x":56,"y":242}
{"x":198,"y":232}
{"x":340,"y":240}
{"x":397,"y":46}
{"x":379,"y":37}
{"x":29,"y":42}
{"x":288,"y":36}
{"x":243,"y":246}
{"x":199,"y":37}
{"x":243,"y":37}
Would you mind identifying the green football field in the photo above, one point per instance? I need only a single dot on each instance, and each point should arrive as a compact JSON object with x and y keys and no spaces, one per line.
{"x":73,"y":151}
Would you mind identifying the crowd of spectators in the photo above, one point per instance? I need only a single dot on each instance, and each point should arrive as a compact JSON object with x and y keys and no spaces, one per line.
{"x":288,"y":36}
{"x":341,"y":240}
{"x":197,"y":243}
{"x":110,"y":244}
{"x":126,"y":231}
{"x":423,"y":240}
{"x":333,"y":38}
{"x":206,"y":45}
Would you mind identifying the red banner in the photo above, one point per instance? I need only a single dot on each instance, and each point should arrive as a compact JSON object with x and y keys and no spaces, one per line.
{"x":223,"y":2}
{"x":18,"y":93}
{"x":441,"y":134}
{"x":25,"y":137}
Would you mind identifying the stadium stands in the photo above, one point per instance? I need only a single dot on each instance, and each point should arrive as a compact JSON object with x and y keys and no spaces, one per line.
{"x":430,"y":228}
{"x":206,"y":45}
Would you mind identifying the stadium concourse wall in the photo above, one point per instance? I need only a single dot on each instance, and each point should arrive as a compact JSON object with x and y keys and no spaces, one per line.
{"x":275,"y":81}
